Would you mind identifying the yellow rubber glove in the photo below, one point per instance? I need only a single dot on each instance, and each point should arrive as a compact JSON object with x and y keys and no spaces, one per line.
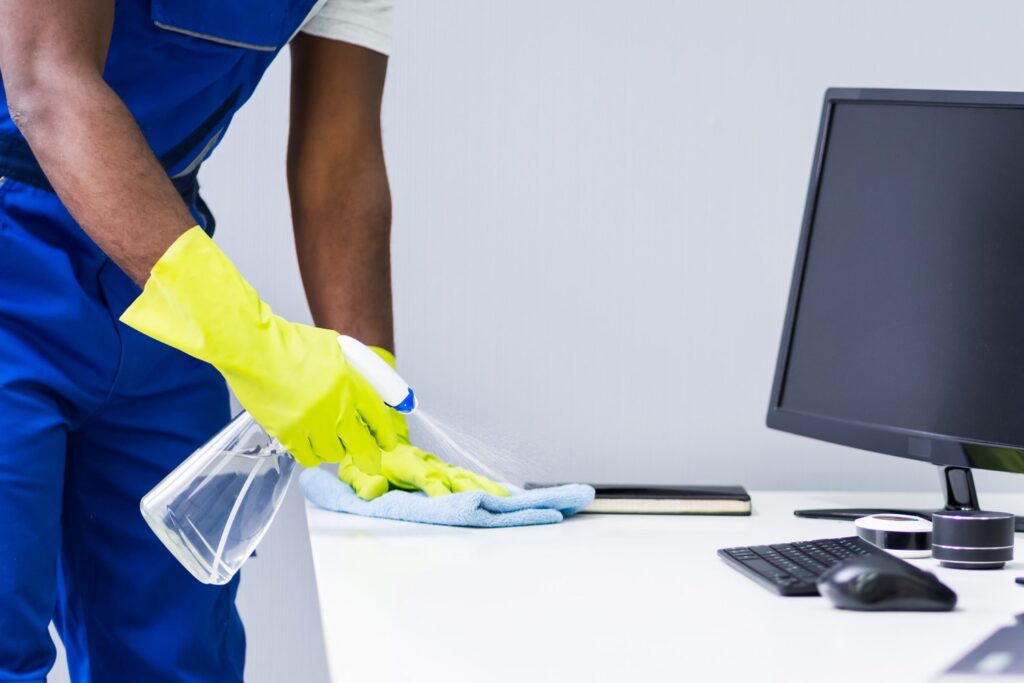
{"x":411,"y":468}
{"x":292,"y":378}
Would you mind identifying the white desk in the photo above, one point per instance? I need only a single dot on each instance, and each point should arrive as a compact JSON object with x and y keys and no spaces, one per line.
{"x":624,"y":598}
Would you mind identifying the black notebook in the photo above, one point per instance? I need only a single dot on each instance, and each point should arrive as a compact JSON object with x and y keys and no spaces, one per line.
{"x":668,"y":500}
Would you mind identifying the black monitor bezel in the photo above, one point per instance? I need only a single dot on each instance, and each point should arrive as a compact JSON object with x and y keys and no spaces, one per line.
{"x":939,"y":449}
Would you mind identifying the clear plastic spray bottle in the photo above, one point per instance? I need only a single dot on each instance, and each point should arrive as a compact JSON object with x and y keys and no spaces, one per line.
{"x":213,"y":510}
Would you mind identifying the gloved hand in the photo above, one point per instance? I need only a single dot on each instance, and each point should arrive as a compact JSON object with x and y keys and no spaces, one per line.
{"x":292,"y":378}
{"x":411,"y":468}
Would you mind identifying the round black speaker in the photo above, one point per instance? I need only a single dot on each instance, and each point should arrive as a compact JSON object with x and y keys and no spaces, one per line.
{"x":972,"y":539}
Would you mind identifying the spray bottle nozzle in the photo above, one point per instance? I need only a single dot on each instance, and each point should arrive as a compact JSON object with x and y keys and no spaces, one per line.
{"x":408,"y":404}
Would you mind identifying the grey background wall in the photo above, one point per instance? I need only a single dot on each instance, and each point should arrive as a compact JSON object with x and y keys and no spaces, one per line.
{"x":596,"y":213}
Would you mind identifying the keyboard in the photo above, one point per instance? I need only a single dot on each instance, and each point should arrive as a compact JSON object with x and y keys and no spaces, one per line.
{"x":794,"y":568}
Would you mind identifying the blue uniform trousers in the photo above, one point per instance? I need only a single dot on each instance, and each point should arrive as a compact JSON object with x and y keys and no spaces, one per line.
{"x":93,"y":415}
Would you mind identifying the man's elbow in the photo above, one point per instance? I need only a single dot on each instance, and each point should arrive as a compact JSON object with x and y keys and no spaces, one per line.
{"x":37,"y":92}
{"x":31,"y":99}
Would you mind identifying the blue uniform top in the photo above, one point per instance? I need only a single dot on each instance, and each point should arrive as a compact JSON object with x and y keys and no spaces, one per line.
{"x":183,"y":68}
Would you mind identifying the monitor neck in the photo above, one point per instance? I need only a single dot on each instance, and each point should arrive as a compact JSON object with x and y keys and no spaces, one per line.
{"x":958,"y":483}
{"x":960,"y":495}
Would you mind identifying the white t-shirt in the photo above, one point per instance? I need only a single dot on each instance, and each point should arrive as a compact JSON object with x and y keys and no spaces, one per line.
{"x":366,"y":23}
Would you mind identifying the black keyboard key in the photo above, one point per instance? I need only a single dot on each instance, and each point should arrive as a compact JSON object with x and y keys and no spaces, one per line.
{"x":809,"y":563}
{"x":766,"y":569}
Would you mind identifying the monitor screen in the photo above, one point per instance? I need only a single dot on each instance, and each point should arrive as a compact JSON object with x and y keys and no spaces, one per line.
{"x":909,"y":313}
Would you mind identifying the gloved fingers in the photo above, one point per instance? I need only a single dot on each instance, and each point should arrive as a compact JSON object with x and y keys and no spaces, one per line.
{"x":435,"y":484}
{"x":406,"y":470}
{"x":366,"y":486}
{"x":302,"y":451}
{"x":376,"y":415}
{"x":400,"y":424}
{"x":359,"y":443}
{"x":430,"y":458}
{"x":326,"y":445}
{"x":396,"y":466}
{"x":458,"y":478}
{"x":461,"y":479}
{"x":464,"y":480}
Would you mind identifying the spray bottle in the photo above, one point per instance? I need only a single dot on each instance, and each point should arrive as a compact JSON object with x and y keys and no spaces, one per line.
{"x":213,"y":510}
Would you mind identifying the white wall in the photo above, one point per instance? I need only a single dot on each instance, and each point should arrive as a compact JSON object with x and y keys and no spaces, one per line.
{"x":577,"y":182}
{"x":583,"y":181}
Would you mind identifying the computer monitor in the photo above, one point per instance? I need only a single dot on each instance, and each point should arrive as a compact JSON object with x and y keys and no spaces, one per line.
{"x":904,"y":332}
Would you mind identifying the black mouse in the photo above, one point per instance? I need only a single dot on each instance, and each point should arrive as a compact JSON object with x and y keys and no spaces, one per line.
{"x":884,"y":583}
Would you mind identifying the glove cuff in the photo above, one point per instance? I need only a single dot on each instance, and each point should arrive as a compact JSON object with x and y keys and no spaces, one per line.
{"x":194,"y":295}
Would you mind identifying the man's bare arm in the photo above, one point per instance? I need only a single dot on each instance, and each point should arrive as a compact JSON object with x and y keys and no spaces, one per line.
{"x":341,"y":204}
{"x":52,"y":54}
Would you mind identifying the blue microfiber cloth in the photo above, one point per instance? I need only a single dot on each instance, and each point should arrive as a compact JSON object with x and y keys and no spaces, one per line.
{"x":472,"y":508}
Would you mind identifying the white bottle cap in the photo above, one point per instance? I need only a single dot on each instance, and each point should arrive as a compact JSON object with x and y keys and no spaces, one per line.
{"x":381,"y":376}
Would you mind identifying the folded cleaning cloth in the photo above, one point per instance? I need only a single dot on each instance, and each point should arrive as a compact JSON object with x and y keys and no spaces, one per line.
{"x":472,"y":508}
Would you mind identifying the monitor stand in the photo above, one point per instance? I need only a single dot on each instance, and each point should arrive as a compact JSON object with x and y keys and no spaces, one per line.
{"x":958,"y":483}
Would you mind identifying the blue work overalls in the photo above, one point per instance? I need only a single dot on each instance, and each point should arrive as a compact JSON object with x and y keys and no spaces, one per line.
{"x":92,"y":413}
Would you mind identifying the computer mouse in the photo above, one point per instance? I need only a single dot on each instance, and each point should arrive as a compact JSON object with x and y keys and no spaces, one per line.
{"x":882,"y":583}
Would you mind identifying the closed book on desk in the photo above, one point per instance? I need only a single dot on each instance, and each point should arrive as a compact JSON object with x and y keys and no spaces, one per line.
{"x":636,"y":499}
{"x":671,"y":500}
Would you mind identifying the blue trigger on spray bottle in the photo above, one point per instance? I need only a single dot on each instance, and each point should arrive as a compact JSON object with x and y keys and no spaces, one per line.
{"x":214,"y":508}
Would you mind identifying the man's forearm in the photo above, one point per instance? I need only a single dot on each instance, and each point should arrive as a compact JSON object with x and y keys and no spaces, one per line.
{"x":341,"y":204}
{"x":343,"y":240}
{"x":85,"y":139}
{"x":99,"y":163}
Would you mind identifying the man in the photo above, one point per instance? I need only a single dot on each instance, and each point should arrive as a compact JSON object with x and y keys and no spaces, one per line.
{"x":104,"y":388}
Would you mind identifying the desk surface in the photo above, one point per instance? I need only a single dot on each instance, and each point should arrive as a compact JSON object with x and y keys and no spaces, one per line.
{"x":624,"y":598}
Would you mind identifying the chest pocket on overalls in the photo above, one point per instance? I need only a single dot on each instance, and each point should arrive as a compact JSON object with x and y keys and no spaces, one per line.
{"x":251,"y":24}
